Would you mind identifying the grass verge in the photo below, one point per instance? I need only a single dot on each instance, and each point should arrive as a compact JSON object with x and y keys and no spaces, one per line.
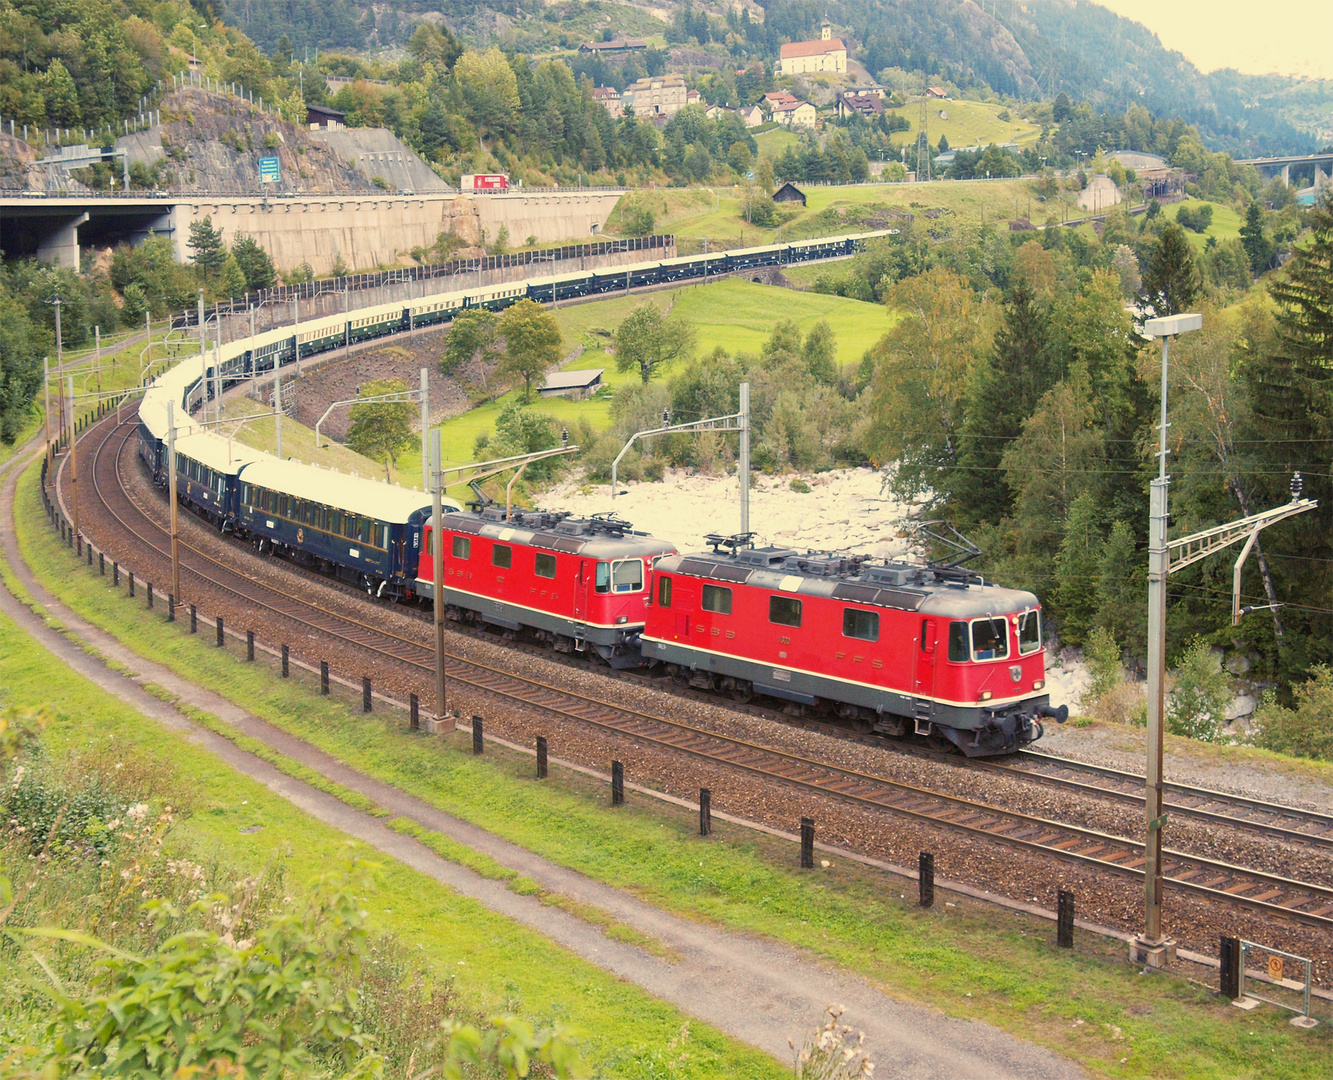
{"x":495,"y":963}
{"x":970,"y":960}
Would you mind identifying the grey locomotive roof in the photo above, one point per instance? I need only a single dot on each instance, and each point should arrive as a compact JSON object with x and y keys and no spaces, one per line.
{"x":594,"y":538}
{"x":854,"y":579}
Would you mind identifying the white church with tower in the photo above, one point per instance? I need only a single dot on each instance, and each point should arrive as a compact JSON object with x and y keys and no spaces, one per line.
{"x":827,"y":54}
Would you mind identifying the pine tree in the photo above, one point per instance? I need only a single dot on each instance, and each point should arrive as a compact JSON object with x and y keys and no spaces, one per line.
{"x":208,"y":251}
{"x":1258,"y":247}
{"x":1076,"y":570}
{"x":1289,"y":380}
{"x":254,"y":263}
{"x":1172,"y":282}
{"x":1023,"y":366}
{"x":1122,"y":586}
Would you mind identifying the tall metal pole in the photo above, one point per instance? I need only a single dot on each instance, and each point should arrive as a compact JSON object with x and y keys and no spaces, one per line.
{"x":1157,"y":575}
{"x":217,"y":376}
{"x":743,"y":465}
{"x":1153,"y":947}
{"x":60,"y":343}
{"x":425,"y":428}
{"x":73,"y":458}
{"x":171,"y":482}
{"x":97,"y":353}
{"x":203,"y":362}
{"x":437,"y":550}
{"x":46,"y":391}
{"x":277,"y":411}
{"x":254,"y":360}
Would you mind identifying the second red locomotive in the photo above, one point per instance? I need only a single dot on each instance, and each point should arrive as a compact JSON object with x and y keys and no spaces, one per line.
{"x":886,"y":646}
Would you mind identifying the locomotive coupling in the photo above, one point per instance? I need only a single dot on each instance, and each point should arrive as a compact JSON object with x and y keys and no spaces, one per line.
{"x":1059,"y":715}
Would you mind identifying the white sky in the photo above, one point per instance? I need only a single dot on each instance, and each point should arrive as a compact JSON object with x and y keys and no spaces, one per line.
{"x":1289,"y":37}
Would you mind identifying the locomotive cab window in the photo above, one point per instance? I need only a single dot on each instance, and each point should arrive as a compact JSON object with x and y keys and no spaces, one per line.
{"x":502,"y":556}
{"x":784,"y":611}
{"x":958,"y":648}
{"x":717,"y":599}
{"x":602,"y":581}
{"x":627,"y":575}
{"x":860,"y":624}
{"x":990,"y":639}
{"x":664,"y":592}
{"x":1029,"y":632}
{"x":545,"y":565}
{"x":462,"y":547}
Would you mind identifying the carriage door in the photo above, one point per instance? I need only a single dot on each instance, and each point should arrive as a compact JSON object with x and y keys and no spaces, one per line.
{"x":927,"y":650}
{"x":582,"y":583}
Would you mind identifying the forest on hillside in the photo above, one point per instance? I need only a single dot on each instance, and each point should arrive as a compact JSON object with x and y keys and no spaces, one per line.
{"x":1025,"y":49}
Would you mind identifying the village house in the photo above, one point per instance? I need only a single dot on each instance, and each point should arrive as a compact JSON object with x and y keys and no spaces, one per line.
{"x":795,"y":114}
{"x":867,"y":105}
{"x":753,"y":115}
{"x":656,"y":95}
{"x":827,"y":54}
{"x":609,"y":98}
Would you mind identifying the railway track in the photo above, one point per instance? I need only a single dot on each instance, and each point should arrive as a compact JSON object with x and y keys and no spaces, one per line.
{"x":1303,"y":902}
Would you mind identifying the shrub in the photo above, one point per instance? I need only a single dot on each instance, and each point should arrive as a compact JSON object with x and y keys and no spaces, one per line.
{"x":1101,"y":654}
{"x":1306,"y":730}
{"x":1197,"y":706}
{"x":1195,"y":218}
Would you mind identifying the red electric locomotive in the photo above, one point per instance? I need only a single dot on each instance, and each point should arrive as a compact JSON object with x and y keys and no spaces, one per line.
{"x":575,"y":582}
{"x":885,"y":645}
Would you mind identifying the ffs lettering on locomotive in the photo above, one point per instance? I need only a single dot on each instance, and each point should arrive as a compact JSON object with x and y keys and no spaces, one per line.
{"x":891,"y":647}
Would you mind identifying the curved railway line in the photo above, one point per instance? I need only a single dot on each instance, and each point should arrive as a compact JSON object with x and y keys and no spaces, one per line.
{"x":1296,"y":901}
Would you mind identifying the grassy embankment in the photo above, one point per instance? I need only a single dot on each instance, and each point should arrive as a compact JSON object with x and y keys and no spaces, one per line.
{"x":737,"y":315}
{"x":495,"y":964}
{"x":970,"y":960}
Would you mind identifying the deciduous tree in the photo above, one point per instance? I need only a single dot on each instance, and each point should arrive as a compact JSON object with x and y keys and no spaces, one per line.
{"x":380,"y":429}
{"x":532,"y":343}
{"x":648,"y":340}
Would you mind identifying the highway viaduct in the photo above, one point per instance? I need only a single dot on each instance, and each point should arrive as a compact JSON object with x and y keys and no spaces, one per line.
{"x":1274,"y":166}
{"x":363,"y":230}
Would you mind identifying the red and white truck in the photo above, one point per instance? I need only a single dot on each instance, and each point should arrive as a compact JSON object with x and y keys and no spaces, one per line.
{"x":484,"y":182}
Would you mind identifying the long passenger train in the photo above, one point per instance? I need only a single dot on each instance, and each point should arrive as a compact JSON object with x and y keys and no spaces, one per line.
{"x":886,"y":647}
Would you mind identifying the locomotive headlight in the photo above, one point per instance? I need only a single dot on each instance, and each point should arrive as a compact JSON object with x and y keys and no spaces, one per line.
{"x":985,"y":695}
{"x":1038,"y":684}
{"x":622,"y":618}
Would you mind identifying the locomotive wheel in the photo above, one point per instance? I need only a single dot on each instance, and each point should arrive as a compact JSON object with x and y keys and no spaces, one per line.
{"x":679,"y":676}
{"x":741,"y":691}
{"x":941,"y":743}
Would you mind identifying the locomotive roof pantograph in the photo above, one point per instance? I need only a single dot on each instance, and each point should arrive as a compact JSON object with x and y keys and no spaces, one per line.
{"x":601,"y":536}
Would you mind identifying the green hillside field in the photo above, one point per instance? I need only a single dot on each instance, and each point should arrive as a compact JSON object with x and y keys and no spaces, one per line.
{"x":737,"y":315}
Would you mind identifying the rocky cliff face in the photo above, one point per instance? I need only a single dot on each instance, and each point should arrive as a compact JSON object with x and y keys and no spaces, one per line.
{"x":212,"y":143}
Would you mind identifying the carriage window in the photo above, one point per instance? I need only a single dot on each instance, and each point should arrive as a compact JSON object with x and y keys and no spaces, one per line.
{"x":245,"y":494}
{"x":336,"y":521}
{"x":603,"y":580}
{"x":502,"y":556}
{"x":860,"y":624}
{"x":545,"y":565}
{"x":364,"y":530}
{"x":664,"y":592}
{"x":958,"y":641}
{"x":784,"y":611}
{"x":462,"y":547}
{"x":990,"y":639}
{"x":717,"y":599}
{"x":1029,"y":632}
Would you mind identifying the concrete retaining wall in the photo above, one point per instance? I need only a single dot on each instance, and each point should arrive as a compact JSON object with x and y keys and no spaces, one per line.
{"x":370,"y":231}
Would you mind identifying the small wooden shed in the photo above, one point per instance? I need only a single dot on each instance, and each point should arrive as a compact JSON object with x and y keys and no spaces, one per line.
{"x":789,"y":192}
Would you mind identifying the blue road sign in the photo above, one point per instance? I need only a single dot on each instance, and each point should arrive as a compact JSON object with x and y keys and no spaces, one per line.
{"x":269,"y":170}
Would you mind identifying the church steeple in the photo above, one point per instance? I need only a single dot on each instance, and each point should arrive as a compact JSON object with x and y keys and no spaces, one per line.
{"x":825,"y":29}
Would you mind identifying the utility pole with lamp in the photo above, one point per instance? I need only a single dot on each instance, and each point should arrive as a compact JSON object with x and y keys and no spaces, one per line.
{"x":1152,"y":947}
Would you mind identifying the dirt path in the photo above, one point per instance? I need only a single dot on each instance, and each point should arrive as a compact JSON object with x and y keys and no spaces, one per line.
{"x":755,"y":990}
